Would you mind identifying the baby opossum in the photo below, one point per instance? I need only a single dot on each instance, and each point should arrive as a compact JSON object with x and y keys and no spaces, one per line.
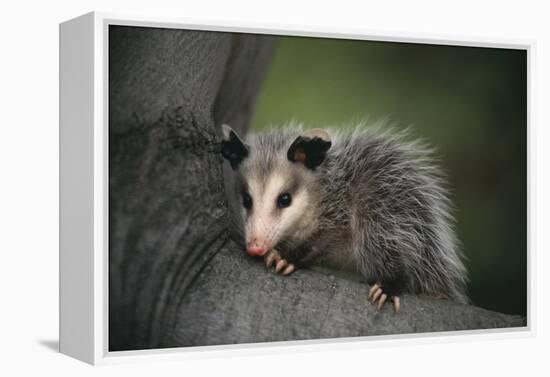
{"x":365,"y":200}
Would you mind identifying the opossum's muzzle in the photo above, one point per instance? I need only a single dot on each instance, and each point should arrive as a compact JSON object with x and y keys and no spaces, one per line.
{"x":256,"y":248}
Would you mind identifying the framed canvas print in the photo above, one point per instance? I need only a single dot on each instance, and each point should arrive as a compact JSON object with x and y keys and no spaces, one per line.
{"x":224,"y":187}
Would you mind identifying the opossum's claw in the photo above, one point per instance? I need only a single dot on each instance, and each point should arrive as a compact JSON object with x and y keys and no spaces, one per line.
{"x":382,"y":301}
{"x":270,"y":257}
{"x":372,"y":290}
{"x":289,"y":269}
{"x":280,"y":266}
{"x":396,"y":304}
{"x":376,"y":293}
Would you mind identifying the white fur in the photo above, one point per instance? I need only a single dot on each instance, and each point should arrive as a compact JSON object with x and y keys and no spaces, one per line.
{"x":266,"y":222}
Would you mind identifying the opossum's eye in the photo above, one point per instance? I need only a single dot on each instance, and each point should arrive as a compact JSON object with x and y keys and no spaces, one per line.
{"x":247,"y":200}
{"x":284,"y":200}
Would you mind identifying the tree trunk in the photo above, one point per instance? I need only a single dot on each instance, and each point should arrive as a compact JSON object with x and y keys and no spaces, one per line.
{"x":175,"y":277}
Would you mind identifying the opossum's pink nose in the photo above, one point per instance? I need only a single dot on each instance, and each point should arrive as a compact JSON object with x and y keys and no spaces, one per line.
{"x":256,"y":248}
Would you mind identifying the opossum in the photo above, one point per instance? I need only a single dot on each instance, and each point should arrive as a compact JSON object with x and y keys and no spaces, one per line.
{"x":366,"y":200}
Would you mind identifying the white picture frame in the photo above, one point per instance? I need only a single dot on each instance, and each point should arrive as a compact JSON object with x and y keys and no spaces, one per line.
{"x":84,"y":191}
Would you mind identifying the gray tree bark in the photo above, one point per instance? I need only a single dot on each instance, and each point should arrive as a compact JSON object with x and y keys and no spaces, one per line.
{"x":175,"y":276}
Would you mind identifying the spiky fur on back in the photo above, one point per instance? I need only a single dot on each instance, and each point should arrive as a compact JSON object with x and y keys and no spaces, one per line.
{"x":379,"y":206}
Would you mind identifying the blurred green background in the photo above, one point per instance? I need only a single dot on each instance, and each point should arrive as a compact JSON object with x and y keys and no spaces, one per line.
{"x":470,"y":103}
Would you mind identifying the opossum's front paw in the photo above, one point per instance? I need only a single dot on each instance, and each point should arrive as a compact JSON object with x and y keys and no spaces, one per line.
{"x":377,"y":293}
{"x":282,"y":266}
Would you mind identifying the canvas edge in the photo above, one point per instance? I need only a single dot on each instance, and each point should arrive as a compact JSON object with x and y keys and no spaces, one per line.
{"x":76,"y":190}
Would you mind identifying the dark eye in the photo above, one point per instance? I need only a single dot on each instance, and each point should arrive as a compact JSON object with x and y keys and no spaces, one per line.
{"x":247,"y":200}
{"x":284,"y":200}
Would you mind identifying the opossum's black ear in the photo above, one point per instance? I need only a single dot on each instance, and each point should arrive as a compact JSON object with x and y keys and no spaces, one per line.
{"x":233,"y":148}
{"x":310,"y":148}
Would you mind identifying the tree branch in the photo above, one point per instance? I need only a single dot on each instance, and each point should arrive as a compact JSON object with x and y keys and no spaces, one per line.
{"x":236,"y":300}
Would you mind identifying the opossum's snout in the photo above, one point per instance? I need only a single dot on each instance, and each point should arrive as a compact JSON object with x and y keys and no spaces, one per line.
{"x":266,"y":220}
{"x":256,"y":247}
{"x":256,"y":244}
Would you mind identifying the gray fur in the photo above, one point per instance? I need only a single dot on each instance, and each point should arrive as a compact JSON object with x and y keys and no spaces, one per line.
{"x":379,"y":205}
